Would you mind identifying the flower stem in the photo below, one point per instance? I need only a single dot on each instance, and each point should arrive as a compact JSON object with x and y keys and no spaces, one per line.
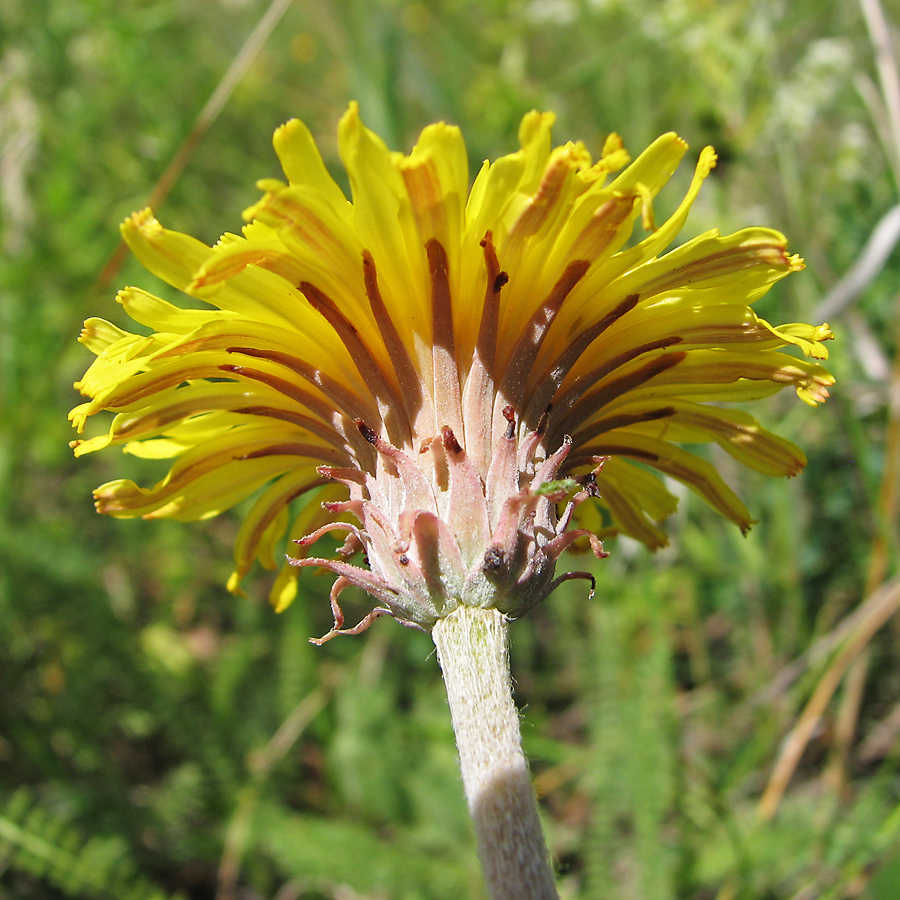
{"x":472,"y":650}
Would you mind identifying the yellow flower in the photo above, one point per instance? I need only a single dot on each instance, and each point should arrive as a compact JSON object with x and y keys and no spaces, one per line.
{"x":461,"y":381}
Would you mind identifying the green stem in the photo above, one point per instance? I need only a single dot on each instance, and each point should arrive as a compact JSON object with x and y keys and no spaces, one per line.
{"x":472,"y":650}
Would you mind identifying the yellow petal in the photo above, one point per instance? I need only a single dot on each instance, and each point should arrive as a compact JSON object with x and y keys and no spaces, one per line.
{"x":386,"y":225}
{"x":684,"y":422}
{"x":808,"y":338}
{"x":211,"y":477}
{"x":161,"y":315}
{"x":697,"y":473}
{"x":99,"y":335}
{"x":302,"y":164}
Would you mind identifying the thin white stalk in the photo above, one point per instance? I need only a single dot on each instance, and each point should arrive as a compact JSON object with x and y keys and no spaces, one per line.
{"x":472,"y":650}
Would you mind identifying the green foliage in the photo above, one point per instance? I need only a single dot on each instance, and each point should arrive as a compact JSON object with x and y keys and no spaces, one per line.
{"x":153,"y":728}
{"x":323,"y":852}
{"x":40,"y":842}
{"x":635,"y":757}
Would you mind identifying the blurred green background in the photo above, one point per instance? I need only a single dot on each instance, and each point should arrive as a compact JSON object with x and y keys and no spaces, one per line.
{"x":159,"y":737}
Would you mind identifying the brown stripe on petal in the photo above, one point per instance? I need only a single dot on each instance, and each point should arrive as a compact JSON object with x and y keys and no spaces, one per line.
{"x":342,"y":400}
{"x":478,"y":393}
{"x":286,"y":388}
{"x":603,"y":227}
{"x":149,"y":383}
{"x":543,"y":202}
{"x":448,"y":407}
{"x":142,"y":426}
{"x":442,"y":312}
{"x":407,"y":374}
{"x":547,"y":384}
{"x":590,"y":403}
{"x":195,"y":468}
{"x":221,"y":267}
{"x":623,"y":420}
{"x":347,"y":475}
{"x":646,"y":456}
{"x":294,"y":448}
{"x":426,"y":197}
{"x":158,"y":417}
{"x":213,"y":342}
{"x":285,"y":265}
{"x":739,"y":434}
{"x":723,"y":262}
{"x":386,"y":396}
{"x":310,"y":424}
{"x":223,"y":341}
{"x":526,"y":350}
{"x":583,"y":383}
{"x":697,"y":473}
{"x":486,"y":344}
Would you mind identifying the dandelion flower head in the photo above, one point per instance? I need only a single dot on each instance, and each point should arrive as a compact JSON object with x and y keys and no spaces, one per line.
{"x":461,"y":382}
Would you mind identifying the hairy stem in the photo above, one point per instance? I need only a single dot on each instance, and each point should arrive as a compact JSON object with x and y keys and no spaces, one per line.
{"x":472,"y":650}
